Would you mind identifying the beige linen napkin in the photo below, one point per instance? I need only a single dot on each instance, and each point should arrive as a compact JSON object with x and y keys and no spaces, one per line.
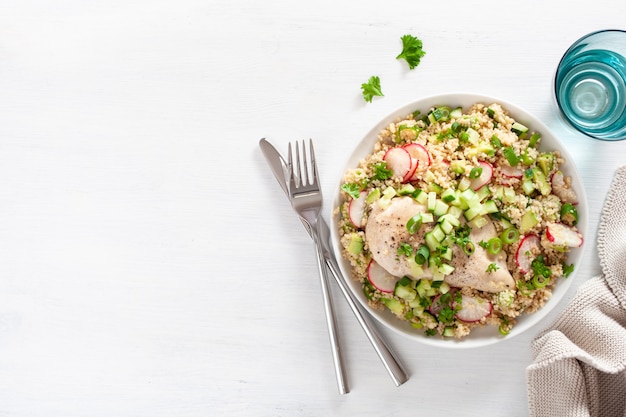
{"x":580,"y":360}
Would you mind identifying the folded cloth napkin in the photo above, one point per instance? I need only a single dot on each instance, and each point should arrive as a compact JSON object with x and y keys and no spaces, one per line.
{"x":580,"y":360}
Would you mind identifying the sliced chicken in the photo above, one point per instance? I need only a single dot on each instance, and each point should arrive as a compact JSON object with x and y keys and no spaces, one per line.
{"x":386,"y":231}
{"x":471,"y":270}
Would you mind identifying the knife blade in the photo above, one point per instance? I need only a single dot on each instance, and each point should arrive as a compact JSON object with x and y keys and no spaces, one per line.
{"x":399,"y":376}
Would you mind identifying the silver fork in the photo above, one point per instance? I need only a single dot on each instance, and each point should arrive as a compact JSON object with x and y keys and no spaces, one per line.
{"x":306,"y":199}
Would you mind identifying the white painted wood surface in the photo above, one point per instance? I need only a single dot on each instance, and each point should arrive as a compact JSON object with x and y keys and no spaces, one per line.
{"x":149,"y":263}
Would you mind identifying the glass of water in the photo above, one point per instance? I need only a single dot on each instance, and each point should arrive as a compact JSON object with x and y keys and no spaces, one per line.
{"x":590,"y":85}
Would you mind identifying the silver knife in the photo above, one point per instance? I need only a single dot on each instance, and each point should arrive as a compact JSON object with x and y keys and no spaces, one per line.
{"x":394,"y":368}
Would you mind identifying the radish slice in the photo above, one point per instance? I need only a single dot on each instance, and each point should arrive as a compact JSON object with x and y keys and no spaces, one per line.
{"x":566,"y":194}
{"x":380,"y":278}
{"x":400,"y":162}
{"x":524,"y":256}
{"x":473,"y":309}
{"x":511,"y":172}
{"x":563,"y":235}
{"x":356,"y":209}
{"x":420,"y":156}
{"x":484,"y":177}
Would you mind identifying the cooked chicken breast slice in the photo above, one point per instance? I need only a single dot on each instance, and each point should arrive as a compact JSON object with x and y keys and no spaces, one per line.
{"x":386,"y":231}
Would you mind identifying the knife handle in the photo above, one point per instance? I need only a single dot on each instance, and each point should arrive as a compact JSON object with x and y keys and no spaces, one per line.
{"x":386,"y":355}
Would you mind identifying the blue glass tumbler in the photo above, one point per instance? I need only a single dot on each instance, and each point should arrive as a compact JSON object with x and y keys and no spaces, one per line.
{"x":590,"y":85}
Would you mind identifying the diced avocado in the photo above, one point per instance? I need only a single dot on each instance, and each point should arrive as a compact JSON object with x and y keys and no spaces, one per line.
{"x":356,"y":244}
{"x":541,"y":181}
{"x":529,"y":220}
{"x":545,"y":161}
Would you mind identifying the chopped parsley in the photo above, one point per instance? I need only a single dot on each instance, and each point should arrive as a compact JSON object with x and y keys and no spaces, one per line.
{"x":568,"y":269}
{"x":405,"y":249}
{"x":371,"y":88}
{"x":352,"y":189}
{"x":539,"y":267}
{"x":412,"y":50}
{"x":381,"y":172}
{"x":492,"y":267}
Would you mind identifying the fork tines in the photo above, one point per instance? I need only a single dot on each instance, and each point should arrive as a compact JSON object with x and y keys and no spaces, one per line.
{"x":302,"y":178}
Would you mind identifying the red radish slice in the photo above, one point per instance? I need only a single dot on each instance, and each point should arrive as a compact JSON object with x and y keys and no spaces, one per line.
{"x":473,"y":309}
{"x":420,"y":153}
{"x":380,"y":278}
{"x":566,"y":194}
{"x":563,"y":235}
{"x":511,"y":172}
{"x":484,"y":177}
{"x":400,"y":162}
{"x":356,"y":209}
{"x":525,"y":254}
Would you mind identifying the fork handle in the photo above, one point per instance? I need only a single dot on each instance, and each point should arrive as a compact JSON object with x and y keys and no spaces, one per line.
{"x":384,"y":352}
{"x":331,"y":321}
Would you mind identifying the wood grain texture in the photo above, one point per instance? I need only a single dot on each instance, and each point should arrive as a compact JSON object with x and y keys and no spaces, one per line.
{"x":149,"y":263}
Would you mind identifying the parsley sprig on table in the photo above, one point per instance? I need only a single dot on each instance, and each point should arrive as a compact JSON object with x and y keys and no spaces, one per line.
{"x":371,"y":88}
{"x":412,"y":51}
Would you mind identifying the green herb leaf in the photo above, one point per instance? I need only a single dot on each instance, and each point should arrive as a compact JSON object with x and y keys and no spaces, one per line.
{"x":412,"y":51}
{"x":371,"y":88}
{"x":492,"y":267}
{"x":381,"y":172}
{"x":352,"y":189}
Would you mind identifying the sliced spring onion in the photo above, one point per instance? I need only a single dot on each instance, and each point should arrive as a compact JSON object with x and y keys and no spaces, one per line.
{"x":475,"y":172}
{"x":510,"y":235}
{"x":511,"y":157}
{"x":494,"y":245}
{"x":568,"y":210}
{"x":422,"y":255}
{"x":414,"y":223}
{"x":540,"y":281}
{"x":468,"y":247}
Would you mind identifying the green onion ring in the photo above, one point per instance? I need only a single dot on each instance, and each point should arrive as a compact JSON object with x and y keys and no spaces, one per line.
{"x":494,"y":245}
{"x":422,"y":255}
{"x":414,"y":223}
{"x":510,"y":235}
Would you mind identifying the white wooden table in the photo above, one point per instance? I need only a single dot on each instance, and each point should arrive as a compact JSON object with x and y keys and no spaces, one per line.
{"x":149,"y":263}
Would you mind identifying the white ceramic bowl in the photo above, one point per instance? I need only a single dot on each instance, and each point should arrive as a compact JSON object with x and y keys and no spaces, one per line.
{"x":489,"y":334}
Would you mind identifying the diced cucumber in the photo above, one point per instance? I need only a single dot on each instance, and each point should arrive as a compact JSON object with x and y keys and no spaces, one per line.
{"x":438,"y":233}
{"x":446,"y":269}
{"x":464,"y":184}
{"x":529,"y":220}
{"x":541,"y":181}
{"x":432,"y":201}
{"x":427,"y":218}
{"x":441,"y":208}
{"x":473,"y":136}
{"x":479,"y":222}
{"x":433,"y":186}
{"x":518,"y":128}
{"x":448,"y":331}
{"x":490,"y":206}
{"x":545,"y":161}
{"x":406,"y":189}
{"x":420,"y":196}
{"x":394,"y":305}
{"x":373,"y":196}
{"x":448,"y":195}
{"x":431,"y":241}
{"x":456,"y":113}
{"x":458,"y":167}
{"x":446,"y":227}
{"x":474,"y":211}
{"x":528,"y":186}
{"x":406,"y":293}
